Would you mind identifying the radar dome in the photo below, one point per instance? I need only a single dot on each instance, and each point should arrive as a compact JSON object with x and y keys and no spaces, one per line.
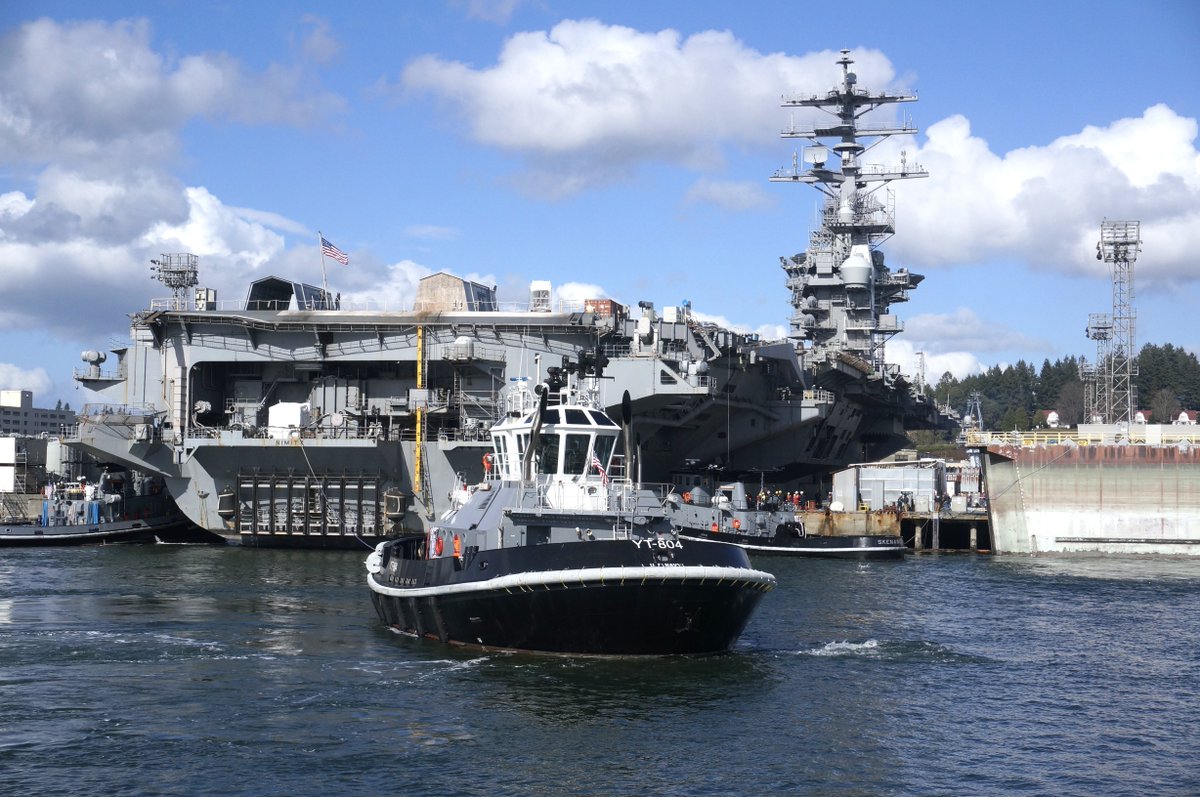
{"x":856,"y":272}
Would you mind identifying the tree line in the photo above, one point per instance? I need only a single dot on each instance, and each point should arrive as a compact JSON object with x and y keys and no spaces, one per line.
{"x":1020,"y":396}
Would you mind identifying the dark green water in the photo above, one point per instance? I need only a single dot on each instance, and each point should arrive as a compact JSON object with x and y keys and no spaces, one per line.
{"x":178,"y":670}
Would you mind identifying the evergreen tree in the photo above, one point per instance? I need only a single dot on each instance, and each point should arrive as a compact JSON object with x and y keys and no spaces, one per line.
{"x":1169,"y":367}
{"x":1012,"y":396}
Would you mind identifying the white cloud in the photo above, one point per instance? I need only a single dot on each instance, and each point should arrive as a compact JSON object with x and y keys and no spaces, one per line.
{"x":108,"y":209}
{"x":395,"y":290}
{"x":217,"y":233}
{"x":586,"y":102}
{"x":14,"y":205}
{"x":76,"y":271}
{"x":498,"y":11}
{"x":960,"y":364}
{"x":97,"y":94}
{"x":764,"y":331}
{"x":1044,"y":204}
{"x":275,"y":221}
{"x":575,"y":293}
{"x":97,"y":104}
{"x":317,"y":41}
{"x":730,"y":194}
{"x":37,"y":380}
{"x":936,"y":333}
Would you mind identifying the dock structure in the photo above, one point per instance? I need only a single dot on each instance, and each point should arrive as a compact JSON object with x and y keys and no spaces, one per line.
{"x":1102,"y":488}
{"x":934,"y":504}
{"x":946,"y":530}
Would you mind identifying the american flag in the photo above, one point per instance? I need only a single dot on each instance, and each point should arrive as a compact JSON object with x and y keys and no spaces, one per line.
{"x":329,"y":250}
{"x":599,"y":468}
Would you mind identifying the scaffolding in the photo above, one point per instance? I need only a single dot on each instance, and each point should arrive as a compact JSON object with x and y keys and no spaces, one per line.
{"x":1097,"y":382}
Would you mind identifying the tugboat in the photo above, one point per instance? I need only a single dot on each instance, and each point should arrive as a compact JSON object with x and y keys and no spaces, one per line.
{"x":768,"y":525}
{"x":112,"y":510}
{"x":559,"y":549}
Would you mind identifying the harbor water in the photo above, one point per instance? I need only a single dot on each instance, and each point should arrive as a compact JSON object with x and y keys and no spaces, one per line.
{"x":197,"y":670}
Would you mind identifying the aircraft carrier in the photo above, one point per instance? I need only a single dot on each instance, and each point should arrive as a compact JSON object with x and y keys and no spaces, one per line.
{"x":292,"y":419}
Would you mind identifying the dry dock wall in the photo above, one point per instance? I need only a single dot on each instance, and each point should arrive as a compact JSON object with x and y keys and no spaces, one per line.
{"x":1106,"y":498}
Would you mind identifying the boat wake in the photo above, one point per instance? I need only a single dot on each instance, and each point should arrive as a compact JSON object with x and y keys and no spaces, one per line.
{"x":900,"y":651}
{"x":868,"y":648}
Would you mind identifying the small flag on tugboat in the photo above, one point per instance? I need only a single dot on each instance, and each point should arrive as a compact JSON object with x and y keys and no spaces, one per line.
{"x":599,"y":468}
{"x":329,"y":250}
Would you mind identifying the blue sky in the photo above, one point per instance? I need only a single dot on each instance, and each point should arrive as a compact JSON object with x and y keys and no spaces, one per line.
{"x":618,"y":149}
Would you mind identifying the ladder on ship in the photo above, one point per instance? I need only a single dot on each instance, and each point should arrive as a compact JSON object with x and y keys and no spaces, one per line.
{"x":13,"y":508}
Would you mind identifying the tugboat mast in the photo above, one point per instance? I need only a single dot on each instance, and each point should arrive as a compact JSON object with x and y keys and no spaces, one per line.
{"x":841,"y":289}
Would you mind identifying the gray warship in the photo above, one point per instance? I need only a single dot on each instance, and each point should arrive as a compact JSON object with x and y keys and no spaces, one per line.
{"x":292,"y":419}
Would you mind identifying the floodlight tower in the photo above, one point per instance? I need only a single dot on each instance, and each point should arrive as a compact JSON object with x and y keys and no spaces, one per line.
{"x":1119,"y":245}
{"x":178,"y":272}
{"x":1097,"y":376}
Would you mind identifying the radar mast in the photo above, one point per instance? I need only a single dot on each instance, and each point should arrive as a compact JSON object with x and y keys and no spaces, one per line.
{"x":841,"y":289}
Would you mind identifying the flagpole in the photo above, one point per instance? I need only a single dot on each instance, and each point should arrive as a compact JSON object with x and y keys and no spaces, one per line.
{"x":324,"y":280}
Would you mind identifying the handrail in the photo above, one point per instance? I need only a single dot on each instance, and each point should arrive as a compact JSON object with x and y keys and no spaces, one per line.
{"x":1135,"y":435}
{"x":171,"y":304}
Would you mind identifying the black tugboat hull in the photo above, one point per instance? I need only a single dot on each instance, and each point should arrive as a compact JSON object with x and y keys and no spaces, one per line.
{"x":132,"y":531}
{"x":602,"y":598}
{"x":857,"y":546}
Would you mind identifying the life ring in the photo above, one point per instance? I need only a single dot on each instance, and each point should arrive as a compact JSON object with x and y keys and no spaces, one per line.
{"x":714,"y":528}
{"x":437,"y":546}
{"x":687,"y":498}
{"x":488,"y":459}
{"x":737,"y":524}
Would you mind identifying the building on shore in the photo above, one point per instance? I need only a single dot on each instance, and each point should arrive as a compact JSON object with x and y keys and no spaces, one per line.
{"x":18,"y":416}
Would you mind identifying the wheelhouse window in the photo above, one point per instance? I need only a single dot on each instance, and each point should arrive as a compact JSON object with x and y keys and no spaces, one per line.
{"x":518,"y":457}
{"x":500,"y":442}
{"x":575,"y":453}
{"x":546,"y":453}
{"x":601,"y":419}
{"x":604,"y":447}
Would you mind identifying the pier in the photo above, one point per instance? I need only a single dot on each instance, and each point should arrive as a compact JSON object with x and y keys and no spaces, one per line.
{"x":926,"y":532}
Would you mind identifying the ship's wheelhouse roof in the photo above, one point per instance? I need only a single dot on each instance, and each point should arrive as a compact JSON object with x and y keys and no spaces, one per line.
{"x":276,"y":293}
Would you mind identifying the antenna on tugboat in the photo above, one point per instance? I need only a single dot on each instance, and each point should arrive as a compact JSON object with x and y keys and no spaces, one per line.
{"x":543,"y":394}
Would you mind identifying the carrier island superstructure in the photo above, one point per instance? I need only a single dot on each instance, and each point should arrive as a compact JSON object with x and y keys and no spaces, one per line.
{"x":291,"y":418}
